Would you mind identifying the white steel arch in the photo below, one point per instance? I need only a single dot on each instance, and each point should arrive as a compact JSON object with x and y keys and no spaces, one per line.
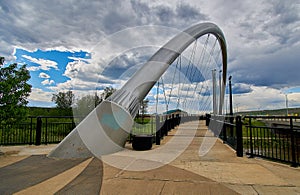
{"x":106,"y":128}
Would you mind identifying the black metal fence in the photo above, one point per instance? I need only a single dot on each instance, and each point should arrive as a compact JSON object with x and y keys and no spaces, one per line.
{"x":229,"y":129}
{"x":168,"y":122}
{"x":36,"y":130}
{"x":163,"y":124}
{"x":271,"y":137}
{"x":279,"y":140}
{"x":53,"y":129}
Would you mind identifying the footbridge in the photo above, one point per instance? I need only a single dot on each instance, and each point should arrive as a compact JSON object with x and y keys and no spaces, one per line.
{"x":184,"y":74}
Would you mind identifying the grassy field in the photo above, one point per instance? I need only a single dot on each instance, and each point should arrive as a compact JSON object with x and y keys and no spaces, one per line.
{"x":281,"y":112}
{"x":145,"y":126}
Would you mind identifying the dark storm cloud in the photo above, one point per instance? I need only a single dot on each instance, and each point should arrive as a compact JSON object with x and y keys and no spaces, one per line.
{"x":239,"y":88}
{"x":263,"y":36}
{"x":285,"y":19}
{"x":277,"y":70}
{"x":125,"y":65}
{"x":80,"y":24}
{"x":187,"y":12}
{"x":268,"y":45}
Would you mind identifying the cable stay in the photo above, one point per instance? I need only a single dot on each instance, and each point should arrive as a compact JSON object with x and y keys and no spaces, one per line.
{"x":193,"y":91}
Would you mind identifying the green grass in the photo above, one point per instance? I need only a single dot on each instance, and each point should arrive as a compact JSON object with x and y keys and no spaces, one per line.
{"x":257,"y":128}
{"x":19,"y":133}
{"x":144,"y":126}
{"x":15,"y":134}
{"x":253,"y":122}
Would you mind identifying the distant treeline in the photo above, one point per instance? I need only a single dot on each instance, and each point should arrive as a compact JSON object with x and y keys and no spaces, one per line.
{"x":282,"y":112}
{"x":40,"y":111}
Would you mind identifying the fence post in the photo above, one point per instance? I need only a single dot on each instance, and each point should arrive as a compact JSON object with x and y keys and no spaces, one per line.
{"x":167,"y":128}
{"x":207,"y":119}
{"x":157,"y":134}
{"x":224,"y":131}
{"x":231,"y":119}
{"x":31,"y":125}
{"x":38,"y":134}
{"x":173,"y":122}
{"x":239,"y":137}
{"x":251,"y":143}
{"x":46,"y":132}
{"x":294,"y":163}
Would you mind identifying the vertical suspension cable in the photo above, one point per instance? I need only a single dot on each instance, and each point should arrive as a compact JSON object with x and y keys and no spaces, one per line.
{"x":211,"y":55}
{"x":179,"y":82}
{"x":200,"y":98}
{"x":173,"y":81}
{"x":201,"y":64}
{"x":200,"y":61}
{"x":164,"y":92}
{"x":157,"y":91}
{"x":187,"y":75}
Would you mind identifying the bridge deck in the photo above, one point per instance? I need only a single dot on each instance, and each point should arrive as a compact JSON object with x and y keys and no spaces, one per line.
{"x":217,"y":172}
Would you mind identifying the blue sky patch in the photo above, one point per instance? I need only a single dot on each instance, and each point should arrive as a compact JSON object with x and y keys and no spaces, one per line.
{"x":47,"y":67}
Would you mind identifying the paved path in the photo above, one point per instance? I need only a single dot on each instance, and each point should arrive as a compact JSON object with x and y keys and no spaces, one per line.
{"x":27,"y":170}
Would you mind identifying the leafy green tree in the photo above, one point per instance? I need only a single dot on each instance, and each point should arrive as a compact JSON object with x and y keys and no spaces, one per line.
{"x":64,"y":101}
{"x":2,"y":59}
{"x":142,"y":111}
{"x":97,"y":99}
{"x":86,"y":104}
{"x":108,"y":91}
{"x":14,"y":91}
{"x":144,"y":106}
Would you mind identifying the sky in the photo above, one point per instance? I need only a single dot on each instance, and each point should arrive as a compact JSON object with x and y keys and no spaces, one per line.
{"x":86,"y":45}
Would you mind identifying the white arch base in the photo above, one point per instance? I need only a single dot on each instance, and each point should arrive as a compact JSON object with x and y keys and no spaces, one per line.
{"x":103,"y":131}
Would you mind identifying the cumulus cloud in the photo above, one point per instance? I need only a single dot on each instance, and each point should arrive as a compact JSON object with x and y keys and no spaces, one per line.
{"x":82,"y":24}
{"x":38,"y":94}
{"x":47,"y":82}
{"x":44,"y":75}
{"x":241,"y":88}
{"x":43,"y":64}
{"x":262,"y":36}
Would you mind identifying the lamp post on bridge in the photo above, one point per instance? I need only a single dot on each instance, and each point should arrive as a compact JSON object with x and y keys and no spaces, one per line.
{"x":220,"y":93}
{"x":287,"y":103}
{"x":230,"y":106}
{"x":214,"y":91}
{"x":230,"y":97}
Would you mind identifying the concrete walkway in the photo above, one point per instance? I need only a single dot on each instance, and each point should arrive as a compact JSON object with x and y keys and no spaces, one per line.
{"x":27,"y":170}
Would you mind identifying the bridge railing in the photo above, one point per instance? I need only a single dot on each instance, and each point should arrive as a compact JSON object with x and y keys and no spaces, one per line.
{"x":271,"y":137}
{"x":276,"y":140}
{"x":169,"y":122}
{"x":229,"y":129}
{"x":36,"y":130}
{"x":143,"y":139}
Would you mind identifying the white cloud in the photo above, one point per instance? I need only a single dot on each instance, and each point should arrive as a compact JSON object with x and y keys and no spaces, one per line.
{"x":263,"y":37}
{"x":263,"y":98}
{"x":33,"y":68}
{"x":43,"y":64}
{"x":38,"y":94}
{"x":47,"y":82}
{"x":44,"y":75}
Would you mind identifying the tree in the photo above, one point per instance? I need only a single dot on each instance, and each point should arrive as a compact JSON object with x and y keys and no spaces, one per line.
{"x":14,"y":91}
{"x":108,"y":91}
{"x":2,"y":59}
{"x":97,"y":99}
{"x":144,"y":106}
{"x":86,"y":104}
{"x":64,"y":101}
{"x":142,"y":111}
